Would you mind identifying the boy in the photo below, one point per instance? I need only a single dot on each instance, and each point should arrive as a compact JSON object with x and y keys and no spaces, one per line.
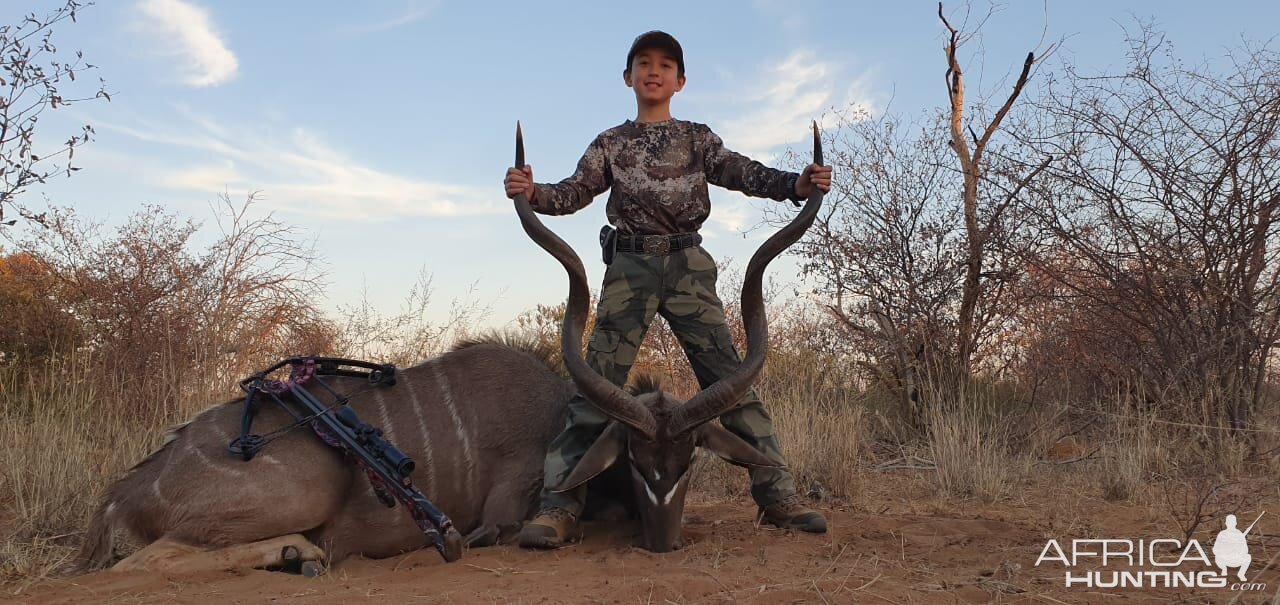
{"x":657,"y":169}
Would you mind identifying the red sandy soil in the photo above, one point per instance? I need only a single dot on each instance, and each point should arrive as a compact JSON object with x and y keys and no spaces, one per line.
{"x":895,"y":544}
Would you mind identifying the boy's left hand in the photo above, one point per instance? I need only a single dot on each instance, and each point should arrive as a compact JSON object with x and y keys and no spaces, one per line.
{"x":813,"y":175}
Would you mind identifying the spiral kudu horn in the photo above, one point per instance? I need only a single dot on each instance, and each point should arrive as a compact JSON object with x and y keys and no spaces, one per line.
{"x":722,"y":396}
{"x":613,"y":401}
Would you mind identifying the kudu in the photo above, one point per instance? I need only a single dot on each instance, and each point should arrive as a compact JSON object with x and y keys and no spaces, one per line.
{"x":655,"y":434}
{"x":477,"y":420}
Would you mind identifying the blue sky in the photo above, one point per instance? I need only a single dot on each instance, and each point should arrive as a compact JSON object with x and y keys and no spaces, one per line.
{"x":383,"y":128}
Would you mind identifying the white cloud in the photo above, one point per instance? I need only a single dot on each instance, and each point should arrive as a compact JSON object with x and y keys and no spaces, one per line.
{"x":300,"y":172}
{"x":211,"y":177}
{"x":776,"y":108}
{"x":731,"y":213}
{"x":187,"y":31}
{"x":760,"y":114}
{"x":414,"y":10}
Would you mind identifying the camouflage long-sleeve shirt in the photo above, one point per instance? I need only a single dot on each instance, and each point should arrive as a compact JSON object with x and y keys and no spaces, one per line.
{"x":657,"y":175}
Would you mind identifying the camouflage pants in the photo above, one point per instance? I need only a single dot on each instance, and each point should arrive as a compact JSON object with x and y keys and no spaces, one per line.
{"x":682,"y":287}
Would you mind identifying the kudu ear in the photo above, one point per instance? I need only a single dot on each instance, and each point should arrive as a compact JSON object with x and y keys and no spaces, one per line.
{"x":732,"y":448}
{"x":600,"y":456}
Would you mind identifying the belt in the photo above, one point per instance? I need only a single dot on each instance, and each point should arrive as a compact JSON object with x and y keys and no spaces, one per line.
{"x":657,"y":244}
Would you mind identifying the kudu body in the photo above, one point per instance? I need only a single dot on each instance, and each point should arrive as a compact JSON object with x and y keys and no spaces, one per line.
{"x":656,"y":434}
{"x":477,"y":421}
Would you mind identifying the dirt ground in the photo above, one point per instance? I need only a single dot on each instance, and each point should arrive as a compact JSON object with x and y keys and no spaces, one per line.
{"x":894,"y":544}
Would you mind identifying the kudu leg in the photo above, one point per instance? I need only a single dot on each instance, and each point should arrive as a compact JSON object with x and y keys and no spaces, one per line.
{"x":171,"y":556}
{"x":364,"y":526}
{"x":490,"y":534}
{"x":508,"y":504}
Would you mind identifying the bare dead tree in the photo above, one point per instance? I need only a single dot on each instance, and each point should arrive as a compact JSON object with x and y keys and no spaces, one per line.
{"x":978,"y":229}
{"x":888,"y":255}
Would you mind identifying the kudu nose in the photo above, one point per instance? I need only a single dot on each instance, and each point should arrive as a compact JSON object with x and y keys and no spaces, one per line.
{"x":662,"y":528}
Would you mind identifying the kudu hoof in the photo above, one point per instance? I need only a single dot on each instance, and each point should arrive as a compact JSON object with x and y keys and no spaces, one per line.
{"x":312,"y":569}
{"x":291,"y":561}
{"x":451,"y":550}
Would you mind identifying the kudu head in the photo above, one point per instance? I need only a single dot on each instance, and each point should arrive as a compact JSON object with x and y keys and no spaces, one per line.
{"x":656,"y":433}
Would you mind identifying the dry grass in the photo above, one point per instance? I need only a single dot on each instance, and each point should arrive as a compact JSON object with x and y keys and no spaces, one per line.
{"x":819,"y":424}
{"x":970,"y":449}
{"x":1130,"y":457}
{"x":65,"y":431}
{"x":819,"y":421}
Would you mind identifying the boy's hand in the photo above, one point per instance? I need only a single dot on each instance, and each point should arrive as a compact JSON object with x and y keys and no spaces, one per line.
{"x":518,"y":182}
{"x":813,"y":175}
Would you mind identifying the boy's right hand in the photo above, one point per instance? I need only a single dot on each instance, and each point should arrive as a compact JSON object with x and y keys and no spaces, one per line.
{"x":518,"y":182}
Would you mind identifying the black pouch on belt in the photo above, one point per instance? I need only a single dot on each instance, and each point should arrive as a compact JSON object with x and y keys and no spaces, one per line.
{"x":608,"y":243}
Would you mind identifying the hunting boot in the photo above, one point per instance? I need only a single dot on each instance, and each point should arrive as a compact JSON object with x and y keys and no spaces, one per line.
{"x":792,"y":513}
{"x":550,"y":528}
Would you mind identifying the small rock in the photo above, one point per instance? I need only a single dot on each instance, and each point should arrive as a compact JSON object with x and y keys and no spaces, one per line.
{"x":816,"y":491}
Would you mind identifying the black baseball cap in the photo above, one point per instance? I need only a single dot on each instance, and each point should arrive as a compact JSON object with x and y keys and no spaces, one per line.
{"x":661,"y":41}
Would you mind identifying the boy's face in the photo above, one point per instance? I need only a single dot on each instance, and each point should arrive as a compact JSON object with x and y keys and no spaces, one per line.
{"x":654,"y":76}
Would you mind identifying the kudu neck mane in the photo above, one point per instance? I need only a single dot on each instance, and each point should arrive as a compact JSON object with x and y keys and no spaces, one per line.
{"x":545,"y":352}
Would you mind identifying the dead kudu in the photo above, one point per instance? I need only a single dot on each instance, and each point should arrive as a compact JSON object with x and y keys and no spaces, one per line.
{"x":655,"y":434}
{"x":477,"y":420}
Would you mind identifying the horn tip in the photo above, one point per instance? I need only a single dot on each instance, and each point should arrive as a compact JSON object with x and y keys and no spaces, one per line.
{"x":519,"y":146}
{"x":817,"y":144}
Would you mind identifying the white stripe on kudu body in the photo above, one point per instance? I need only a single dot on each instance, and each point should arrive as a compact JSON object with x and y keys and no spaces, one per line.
{"x":267,"y":458}
{"x":155,"y":489}
{"x":164,"y":468}
{"x":446,"y":394}
{"x":383,"y":416}
{"x":416,"y":406}
{"x":221,"y":467}
{"x":220,"y":436}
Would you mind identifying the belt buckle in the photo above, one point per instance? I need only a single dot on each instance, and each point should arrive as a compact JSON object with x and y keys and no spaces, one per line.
{"x":656,"y":244}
